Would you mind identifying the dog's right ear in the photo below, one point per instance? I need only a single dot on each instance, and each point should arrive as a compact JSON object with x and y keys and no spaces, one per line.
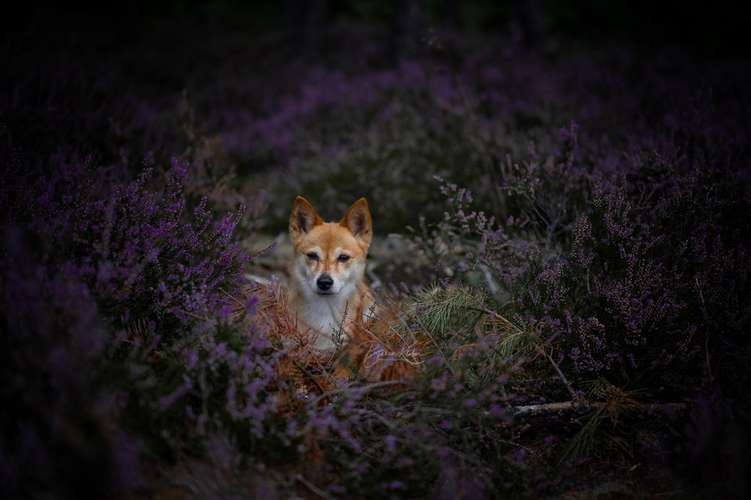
{"x":302,"y":219}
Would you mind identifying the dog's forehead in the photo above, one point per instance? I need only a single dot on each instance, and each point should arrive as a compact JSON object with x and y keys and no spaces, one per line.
{"x":329,"y":236}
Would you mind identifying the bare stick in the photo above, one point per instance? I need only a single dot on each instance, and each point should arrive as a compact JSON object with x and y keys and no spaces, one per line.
{"x":315,"y":489}
{"x":564,"y":406}
{"x":560,"y":373}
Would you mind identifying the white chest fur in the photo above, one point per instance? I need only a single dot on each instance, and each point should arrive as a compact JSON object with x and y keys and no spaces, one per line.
{"x":324,"y":316}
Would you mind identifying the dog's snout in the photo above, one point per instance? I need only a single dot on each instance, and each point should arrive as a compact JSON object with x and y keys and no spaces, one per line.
{"x":324,"y":282}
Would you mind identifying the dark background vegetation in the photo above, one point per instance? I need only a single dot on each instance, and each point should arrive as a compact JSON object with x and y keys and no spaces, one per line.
{"x":569,"y":183}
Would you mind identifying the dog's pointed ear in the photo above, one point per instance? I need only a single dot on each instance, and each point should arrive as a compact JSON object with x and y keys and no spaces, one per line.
{"x":359,"y":222}
{"x":302,"y":219}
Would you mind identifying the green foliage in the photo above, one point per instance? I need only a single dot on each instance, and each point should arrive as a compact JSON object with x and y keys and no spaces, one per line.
{"x":449,"y":310}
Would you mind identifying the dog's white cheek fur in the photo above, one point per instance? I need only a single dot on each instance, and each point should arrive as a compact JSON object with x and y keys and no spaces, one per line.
{"x":305,"y":276}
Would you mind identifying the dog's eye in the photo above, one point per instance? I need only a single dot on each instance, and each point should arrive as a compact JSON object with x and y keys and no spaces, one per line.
{"x":312,"y":255}
{"x":343,"y":258}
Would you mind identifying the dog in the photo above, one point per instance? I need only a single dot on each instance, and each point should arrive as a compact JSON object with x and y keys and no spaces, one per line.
{"x":327,"y":291}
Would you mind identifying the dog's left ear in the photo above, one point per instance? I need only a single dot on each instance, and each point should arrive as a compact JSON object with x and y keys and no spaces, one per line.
{"x":359,"y":222}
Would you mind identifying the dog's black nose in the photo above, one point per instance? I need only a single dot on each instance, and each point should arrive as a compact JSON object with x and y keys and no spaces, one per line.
{"x":324,"y":282}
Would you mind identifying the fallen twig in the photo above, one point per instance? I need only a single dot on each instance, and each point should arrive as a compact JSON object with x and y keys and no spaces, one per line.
{"x":528,"y":410}
{"x":313,"y":488}
{"x":558,"y":370}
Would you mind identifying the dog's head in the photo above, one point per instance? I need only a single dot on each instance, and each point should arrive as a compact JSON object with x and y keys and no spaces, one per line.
{"x":330,"y":256}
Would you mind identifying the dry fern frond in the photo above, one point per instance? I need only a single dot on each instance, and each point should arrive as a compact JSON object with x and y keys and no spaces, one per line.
{"x":138,"y":329}
{"x":302,"y":369}
{"x":381,"y":351}
{"x":378,"y":350}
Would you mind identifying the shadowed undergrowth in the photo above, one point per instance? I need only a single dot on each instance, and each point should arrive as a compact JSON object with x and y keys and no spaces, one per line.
{"x":569,"y":317}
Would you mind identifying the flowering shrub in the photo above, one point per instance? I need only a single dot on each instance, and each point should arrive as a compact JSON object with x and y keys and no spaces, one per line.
{"x":143,"y":287}
{"x":579,"y":262}
{"x":57,"y":423}
{"x":145,"y":251}
{"x":610,"y":285}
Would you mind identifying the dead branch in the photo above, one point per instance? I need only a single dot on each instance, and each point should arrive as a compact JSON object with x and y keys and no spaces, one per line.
{"x":563,"y":378}
{"x":565,"y":406}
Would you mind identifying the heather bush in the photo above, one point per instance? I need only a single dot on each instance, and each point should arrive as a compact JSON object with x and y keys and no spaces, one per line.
{"x":386,"y":132}
{"x":578,"y":272}
{"x":147,"y":253}
{"x":594,"y":266}
{"x":59,"y":431}
{"x":137,"y":289}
